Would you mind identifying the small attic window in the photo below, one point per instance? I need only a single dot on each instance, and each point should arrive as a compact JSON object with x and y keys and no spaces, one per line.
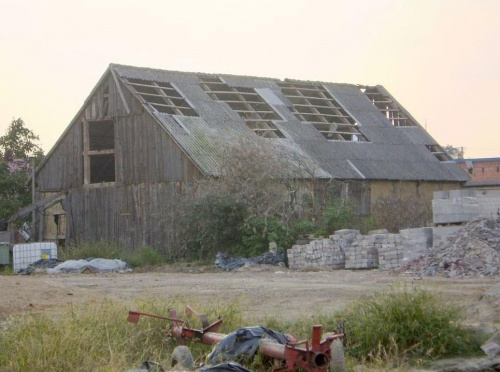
{"x":438,"y":152}
{"x":311,"y":103}
{"x":249,"y":105}
{"x":163,"y":97}
{"x":388,"y":107}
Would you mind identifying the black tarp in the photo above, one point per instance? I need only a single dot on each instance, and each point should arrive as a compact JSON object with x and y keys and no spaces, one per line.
{"x":242,"y":345}
{"x":227,"y":262}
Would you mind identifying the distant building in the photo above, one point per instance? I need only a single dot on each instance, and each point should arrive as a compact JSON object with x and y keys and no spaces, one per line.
{"x":483,"y":172}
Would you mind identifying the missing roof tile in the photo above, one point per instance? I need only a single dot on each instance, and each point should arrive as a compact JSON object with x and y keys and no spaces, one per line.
{"x":438,"y":152}
{"x":163,"y":97}
{"x":311,"y":103}
{"x":250,"y":106}
{"x":388,"y":107}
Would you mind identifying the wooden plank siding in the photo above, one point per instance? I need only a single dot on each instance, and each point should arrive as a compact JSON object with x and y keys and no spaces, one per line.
{"x":64,"y":169}
{"x":132,"y":216}
{"x":146,"y":153}
{"x":150,"y":170}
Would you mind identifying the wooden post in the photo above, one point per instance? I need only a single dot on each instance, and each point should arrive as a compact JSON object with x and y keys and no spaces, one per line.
{"x":33,"y":199}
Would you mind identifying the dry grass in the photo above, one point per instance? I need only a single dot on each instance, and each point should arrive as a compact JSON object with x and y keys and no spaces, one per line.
{"x":384,"y":332}
{"x":95,"y":337}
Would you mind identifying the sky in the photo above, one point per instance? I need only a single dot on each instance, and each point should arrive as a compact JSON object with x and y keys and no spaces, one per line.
{"x":439,"y":58}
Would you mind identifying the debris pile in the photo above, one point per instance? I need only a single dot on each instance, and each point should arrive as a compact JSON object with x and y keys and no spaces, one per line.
{"x":229,"y":263}
{"x":474,"y":250}
{"x":39,"y":266}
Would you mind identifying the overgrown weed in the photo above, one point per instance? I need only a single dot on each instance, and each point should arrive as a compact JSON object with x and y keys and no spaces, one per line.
{"x":396,"y":329}
{"x":97,"y":337}
{"x":406,"y":321}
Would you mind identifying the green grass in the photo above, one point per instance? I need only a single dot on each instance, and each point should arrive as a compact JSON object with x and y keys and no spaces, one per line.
{"x":6,"y":270}
{"x":391,"y":329}
{"x":407,"y":321}
{"x":145,"y":256}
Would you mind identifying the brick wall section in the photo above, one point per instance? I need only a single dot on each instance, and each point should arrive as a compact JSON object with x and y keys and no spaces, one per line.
{"x":348,"y":249}
{"x":483,"y":170}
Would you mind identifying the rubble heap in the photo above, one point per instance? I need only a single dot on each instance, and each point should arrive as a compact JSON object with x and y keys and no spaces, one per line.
{"x":473,"y":250}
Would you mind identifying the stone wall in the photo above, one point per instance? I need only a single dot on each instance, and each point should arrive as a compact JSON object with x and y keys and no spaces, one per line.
{"x":348,"y":249}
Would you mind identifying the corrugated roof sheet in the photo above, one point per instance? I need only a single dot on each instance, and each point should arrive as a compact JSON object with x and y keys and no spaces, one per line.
{"x":392,"y":153}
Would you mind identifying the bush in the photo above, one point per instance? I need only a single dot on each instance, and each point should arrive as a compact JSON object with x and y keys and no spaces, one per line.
{"x":411,"y":212}
{"x":340,"y":214}
{"x":212,"y":223}
{"x":408,"y":321}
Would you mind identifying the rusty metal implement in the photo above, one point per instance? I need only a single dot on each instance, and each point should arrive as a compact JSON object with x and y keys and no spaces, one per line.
{"x":314,"y":355}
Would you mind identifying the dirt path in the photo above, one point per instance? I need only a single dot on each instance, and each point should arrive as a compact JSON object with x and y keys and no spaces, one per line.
{"x":272,"y":293}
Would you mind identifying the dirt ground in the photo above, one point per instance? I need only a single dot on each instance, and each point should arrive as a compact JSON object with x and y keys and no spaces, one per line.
{"x":261,"y":291}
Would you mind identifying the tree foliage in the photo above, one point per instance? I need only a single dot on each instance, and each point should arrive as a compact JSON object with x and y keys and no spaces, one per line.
{"x":19,"y":142}
{"x":454,"y":152}
{"x":17,"y":147}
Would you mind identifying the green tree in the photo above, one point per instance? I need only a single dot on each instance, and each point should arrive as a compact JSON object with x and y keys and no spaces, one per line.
{"x":19,"y":142}
{"x":17,"y":147}
{"x":454,"y":152}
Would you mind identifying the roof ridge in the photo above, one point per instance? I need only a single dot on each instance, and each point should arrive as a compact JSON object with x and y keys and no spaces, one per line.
{"x":281,"y":80}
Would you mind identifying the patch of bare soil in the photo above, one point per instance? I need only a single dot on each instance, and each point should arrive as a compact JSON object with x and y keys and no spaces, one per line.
{"x":265,"y":291}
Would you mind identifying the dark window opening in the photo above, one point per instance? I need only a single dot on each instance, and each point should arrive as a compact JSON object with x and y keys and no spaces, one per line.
{"x":102,"y":168}
{"x":99,"y":152}
{"x":101,"y":135}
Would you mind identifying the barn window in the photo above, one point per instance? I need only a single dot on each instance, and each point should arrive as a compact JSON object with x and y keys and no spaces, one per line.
{"x":99,"y":152}
{"x":247,"y":103}
{"x":312,"y":103}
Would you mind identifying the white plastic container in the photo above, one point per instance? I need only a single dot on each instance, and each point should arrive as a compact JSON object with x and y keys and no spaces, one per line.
{"x":26,"y":254}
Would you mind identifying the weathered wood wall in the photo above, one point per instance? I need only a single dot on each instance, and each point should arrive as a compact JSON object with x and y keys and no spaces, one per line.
{"x":64,"y":169}
{"x":146,"y":153}
{"x":150,"y":170}
{"x":133,"y":216}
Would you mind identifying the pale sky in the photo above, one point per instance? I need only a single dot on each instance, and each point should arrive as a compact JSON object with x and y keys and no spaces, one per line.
{"x":439,"y":58}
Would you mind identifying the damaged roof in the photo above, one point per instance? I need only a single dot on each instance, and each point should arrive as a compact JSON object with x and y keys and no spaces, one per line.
{"x":338,"y":131}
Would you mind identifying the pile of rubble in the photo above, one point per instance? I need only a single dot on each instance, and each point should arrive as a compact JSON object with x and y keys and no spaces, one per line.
{"x":474,"y":250}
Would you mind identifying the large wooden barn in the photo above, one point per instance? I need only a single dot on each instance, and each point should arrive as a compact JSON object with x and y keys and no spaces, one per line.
{"x":144,"y":135}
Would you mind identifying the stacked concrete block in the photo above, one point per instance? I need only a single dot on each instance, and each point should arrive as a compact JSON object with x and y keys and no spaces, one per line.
{"x":360,"y":251}
{"x":350,"y":250}
{"x":337,"y":260}
{"x":416,"y":243}
{"x":460,"y":206}
{"x":324,"y":253}
{"x":390,"y":252}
